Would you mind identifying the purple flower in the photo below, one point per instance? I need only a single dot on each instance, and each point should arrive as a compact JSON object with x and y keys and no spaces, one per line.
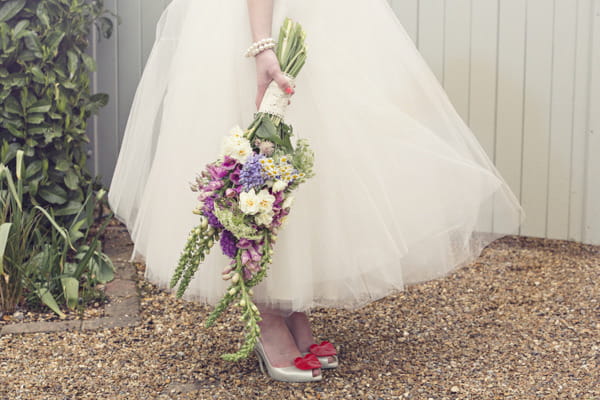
{"x":245,"y":243}
{"x":228,"y":244}
{"x":229,"y":163}
{"x":207,"y":210}
{"x":214,"y":185}
{"x":217,"y":172}
{"x":251,"y":175}
{"x":234,"y":177}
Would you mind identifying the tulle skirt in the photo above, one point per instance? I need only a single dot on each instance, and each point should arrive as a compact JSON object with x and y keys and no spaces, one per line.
{"x":404,"y":192}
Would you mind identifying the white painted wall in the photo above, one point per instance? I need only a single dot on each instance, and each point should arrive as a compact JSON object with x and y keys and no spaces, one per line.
{"x":524,"y":74}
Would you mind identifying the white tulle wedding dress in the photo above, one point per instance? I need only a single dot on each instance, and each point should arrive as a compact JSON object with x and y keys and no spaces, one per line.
{"x":403,"y":190}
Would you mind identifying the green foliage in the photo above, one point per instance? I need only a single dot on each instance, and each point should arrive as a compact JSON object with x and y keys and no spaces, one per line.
{"x":18,"y":245}
{"x":45,"y":98}
{"x":44,"y":262}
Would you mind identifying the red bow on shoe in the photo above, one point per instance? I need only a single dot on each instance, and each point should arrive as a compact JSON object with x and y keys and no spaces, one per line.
{"x":309,"y":361}
{"x":325,"y":349}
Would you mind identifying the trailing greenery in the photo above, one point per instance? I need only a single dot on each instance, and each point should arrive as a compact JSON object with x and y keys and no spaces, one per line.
{"x":45,"y":98}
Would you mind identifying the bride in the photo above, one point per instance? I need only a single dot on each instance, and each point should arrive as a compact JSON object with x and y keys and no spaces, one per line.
{"x":402,"y":192}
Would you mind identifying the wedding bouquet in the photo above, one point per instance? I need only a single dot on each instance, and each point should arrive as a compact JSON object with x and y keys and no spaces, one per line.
{"x":246,"y":194}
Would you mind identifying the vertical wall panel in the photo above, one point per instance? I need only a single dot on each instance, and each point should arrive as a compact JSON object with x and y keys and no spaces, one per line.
{"x":509,"y":96}
{"x":129,"y":42}
{"x":431,"y":35}
{"x":592,"y":210}
{"x":408,"y":14}
{"x":538,"y":80}
{"x":561,"y":119}
{"x":580,"y":112}
{"x":457,"y":54}
{"x":106,"y":134}
{"x":482,"y":113}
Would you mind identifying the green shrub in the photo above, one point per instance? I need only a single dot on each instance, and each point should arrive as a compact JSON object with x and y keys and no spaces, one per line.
{"x":45,"y":98}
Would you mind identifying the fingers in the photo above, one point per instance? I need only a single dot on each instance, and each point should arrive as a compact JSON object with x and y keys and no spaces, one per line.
{"x":283,"y":83}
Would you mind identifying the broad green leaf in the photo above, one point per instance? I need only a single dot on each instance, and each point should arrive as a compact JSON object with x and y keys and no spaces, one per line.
{"x":32,"y":42}
{"x":62,"y":165}
{"x":10,"y":9}
{"x":4,"y":231}
{"x":38,"y":75}
{"x":71,"y":180}
{"x":47,"y":298}
{"x":40,"y":106}
{"x":71,"y":208}
{"x":105,"y":271}
{"x":53,"y":41}
{"x":20,"y":28}
{"x":35,"y":119}
{"x":89,"y":62}
{"x":11,"y":105}
{"x":33,"y":168}
{"x":70,"y":290}
{"x":73,"y":63}
{"x":42,"y":14}
{"x":53,"y":195}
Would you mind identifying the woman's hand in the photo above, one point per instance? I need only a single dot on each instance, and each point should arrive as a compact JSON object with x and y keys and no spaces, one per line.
{"x":267,"y":70}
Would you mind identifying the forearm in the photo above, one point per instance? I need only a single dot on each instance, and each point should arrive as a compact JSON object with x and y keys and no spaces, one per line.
{"x":261,"y":18}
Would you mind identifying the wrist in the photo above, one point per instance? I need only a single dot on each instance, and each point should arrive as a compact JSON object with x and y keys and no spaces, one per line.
{"x":260,"y":46}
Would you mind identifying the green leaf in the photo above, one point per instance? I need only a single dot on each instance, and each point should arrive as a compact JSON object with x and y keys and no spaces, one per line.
{"x":62,"y":165}
{"x":38,"y":75}
{"x":53,"y":41}
{"x":71,"y":180}
{"x":89,"y":62}
{"x":32,"y":42}
{"x":10,"y":9}
{"x":20,"y":28}
{"x":104,"y":269}
{"x":35,"y":119}
{"x":33,"y":168}
{"x":97,"y":101}
{"x":70,"y":290}
{"x":47,"y":298}
{"x":40,"y":106}
{"x":73,"y":63}
{"x":42,"y":14}
{"x":53,"y":194}
{"x":4,"y":231}
{"x":11,"y":105}
{"x":71,"y":208}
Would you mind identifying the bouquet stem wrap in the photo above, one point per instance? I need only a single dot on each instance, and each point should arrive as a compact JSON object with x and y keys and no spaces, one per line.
{"x":245,"y":196}
{"x":275,"y":100}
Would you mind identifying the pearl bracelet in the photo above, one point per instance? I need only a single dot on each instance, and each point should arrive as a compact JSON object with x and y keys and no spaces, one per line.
{"x":260,"y":46}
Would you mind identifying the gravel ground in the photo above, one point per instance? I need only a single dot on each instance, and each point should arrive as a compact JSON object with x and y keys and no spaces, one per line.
{"x":522,"y":322}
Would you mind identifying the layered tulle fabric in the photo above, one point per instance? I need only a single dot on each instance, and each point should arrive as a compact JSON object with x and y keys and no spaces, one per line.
{"x":403,"y":193}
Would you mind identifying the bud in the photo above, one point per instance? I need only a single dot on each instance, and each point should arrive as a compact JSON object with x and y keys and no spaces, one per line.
{"x":235,"y":278}
{"x":232,"y":291}
{"x":203,"y":222}
{"x":251,"y":292}
{"x":242,"y":303}
{"x":254,"y":308}
{"x":226,"y":277}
